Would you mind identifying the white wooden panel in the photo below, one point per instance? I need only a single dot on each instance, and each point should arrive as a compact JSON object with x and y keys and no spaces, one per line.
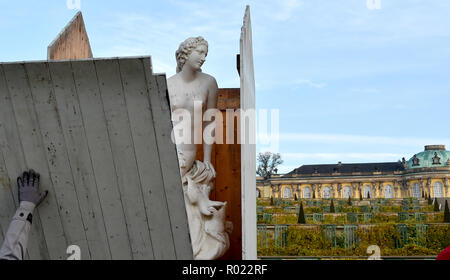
{"x":141,"y":121}
{"x":11,"y":148}
{"x":248,"y":150}
{"x":43,"y":97}
{"x":160,"y":108}
{"x":94,"y":120}
{"x":98,"y":132}
{"x":33,"y":148}
{"x":81,"y":167}
{"x":118,"y":124}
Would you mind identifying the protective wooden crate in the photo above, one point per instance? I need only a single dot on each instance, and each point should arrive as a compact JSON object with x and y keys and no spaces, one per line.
{"x":98,"y":131}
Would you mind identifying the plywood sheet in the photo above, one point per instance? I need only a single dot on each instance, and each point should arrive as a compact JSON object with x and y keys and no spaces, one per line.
{"x":97,"y":132}
{"x":248,"y":149}
{"x":72,"y":42}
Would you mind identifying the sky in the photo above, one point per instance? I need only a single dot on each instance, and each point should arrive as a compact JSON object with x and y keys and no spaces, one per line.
{"x":351,"y":82}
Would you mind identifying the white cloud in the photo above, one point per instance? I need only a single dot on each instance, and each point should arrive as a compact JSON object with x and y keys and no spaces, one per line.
{"x":361,"y":139}
{"x":309,"y":83}
{"x":335,"y":157}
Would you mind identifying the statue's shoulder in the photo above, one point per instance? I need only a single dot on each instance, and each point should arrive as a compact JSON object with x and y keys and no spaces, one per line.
{"x":208,"y":78}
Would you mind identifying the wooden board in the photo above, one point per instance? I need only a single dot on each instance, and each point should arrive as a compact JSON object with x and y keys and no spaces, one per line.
{"x":72,"y":42}
{"x":226,"y":159}
{"x":248,"y":152}
{"x":96,"y":131}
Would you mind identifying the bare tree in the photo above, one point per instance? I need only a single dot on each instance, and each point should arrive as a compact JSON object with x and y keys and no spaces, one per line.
{"x":267,"y":164}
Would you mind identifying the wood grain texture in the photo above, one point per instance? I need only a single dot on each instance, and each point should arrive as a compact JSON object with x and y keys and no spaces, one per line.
{"x":14,"y":161}
{"x":89,"y":128}
{"x":72,"y":42}
{"x":226,"y":159}
{"x":159,"y":100}
{"x":248,"y":154}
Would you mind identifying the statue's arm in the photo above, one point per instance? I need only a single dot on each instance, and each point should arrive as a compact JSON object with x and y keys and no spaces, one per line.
{"x":211,"y":104}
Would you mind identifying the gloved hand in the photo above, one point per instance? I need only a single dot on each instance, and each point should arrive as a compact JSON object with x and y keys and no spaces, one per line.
{"x":29,"y":188}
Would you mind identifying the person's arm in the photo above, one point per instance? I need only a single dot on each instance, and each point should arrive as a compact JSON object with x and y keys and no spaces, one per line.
{"x":16,"y":239}
{"x":211,"y":104}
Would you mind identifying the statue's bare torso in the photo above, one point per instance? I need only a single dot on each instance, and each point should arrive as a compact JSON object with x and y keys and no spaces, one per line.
{"x":183,"y":95}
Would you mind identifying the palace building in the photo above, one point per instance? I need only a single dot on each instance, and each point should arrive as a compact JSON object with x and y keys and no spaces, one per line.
{"x":426,"y":173}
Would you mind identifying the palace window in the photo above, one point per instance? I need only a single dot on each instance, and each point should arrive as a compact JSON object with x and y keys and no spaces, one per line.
{"x":416,"y":190}
{"x":436,"y":159}
{"x":347,"y":192}
{"x":388,"y":193}
{"x":437,"y":188}
{"x":326,"y":192}
{"x":367,"y":192}
{"x":307,"y":193}
{"x":287,"y":193}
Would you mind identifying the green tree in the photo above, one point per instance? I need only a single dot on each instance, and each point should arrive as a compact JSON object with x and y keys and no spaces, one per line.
{"x":446,"y":213}
{"x":430,"y":202}
{"x":301,"y":215}
{"x":271,"y":201}
{"x":436,"y":205}
{"x":332,"y":207}
{"x":267,"y":164}
{"x":360,"y":197}
{"x":349,"y":201}
{"x":368,"y":195}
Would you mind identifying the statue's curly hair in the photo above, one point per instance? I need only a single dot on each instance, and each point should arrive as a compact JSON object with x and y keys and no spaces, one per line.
{"x":185,"y":49}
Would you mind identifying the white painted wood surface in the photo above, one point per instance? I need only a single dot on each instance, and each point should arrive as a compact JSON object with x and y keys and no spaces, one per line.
{"x":98,"y":132}
{"x":248,"y":149}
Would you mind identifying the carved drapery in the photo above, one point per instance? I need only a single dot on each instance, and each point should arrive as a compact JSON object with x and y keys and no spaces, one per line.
{"x":374,"y":189}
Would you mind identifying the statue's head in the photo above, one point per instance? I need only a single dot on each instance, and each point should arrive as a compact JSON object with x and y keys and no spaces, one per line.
{"x":186,"y":48}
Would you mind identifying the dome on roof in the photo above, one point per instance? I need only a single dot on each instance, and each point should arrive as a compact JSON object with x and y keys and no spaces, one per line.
{"x":433,"y":156}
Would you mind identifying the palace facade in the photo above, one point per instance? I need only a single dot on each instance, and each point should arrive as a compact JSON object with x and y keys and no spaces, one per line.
{"x":426,"y":173}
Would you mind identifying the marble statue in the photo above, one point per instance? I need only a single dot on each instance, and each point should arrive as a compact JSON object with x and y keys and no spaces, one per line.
{"x":193,"y":92}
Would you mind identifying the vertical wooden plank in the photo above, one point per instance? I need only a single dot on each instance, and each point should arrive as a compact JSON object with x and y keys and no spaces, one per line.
{"x":2,"y":237}
{"x":118,"y":124}
{"x":91,"y":108}
{"x":79,"y":159}
{"x":144,"y":139}
{"x":7,"y":204}
{"x":248,"y":154}
{"x":35,"y":158}
{"x":55,"y":149}
{"x":159,"y":100}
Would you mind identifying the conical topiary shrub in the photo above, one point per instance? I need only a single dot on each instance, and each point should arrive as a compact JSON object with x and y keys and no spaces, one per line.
{"x":368,"y":195}
{"x":295,"y":197}
{"x":430,"y":202}
{"x":332,"y":207}
{"x":360,"y":197}
{"x":301,"y":215}
{"x":446,"y":213}
{"x":314,"y":195}
{"x":271,"y":201}
{"x":436,"y":206}
{"x":349,"y":201}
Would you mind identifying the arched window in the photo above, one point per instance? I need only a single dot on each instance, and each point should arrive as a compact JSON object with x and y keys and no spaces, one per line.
{"x":307,"y":193}
{"x":326,"y":192}
{"x":368,"y":192}
{"x":388,"y":193}
{"x":347,"y":192}
{"x":416,"y":190}
{"x":437,"y":188}
{"x":287,"y":193}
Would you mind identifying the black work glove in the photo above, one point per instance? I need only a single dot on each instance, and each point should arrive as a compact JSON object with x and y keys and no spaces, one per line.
{"x":28,"y":185}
